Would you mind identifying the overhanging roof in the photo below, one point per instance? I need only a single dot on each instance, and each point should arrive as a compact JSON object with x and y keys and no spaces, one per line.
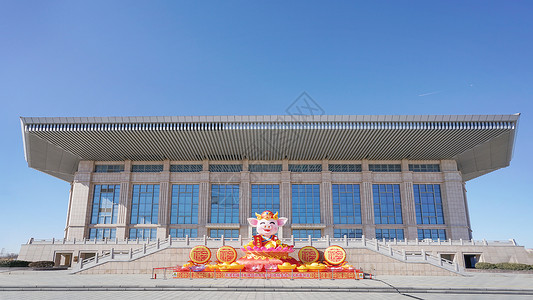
{"x":479,"y":143}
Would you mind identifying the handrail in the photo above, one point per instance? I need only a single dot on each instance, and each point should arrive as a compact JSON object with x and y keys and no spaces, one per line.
{"x":394,"y":242}
{"x":380,"y":246}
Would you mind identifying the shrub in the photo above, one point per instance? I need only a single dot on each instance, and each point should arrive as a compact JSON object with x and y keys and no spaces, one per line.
{"x":42,"y":264}
{"x":485,"y":265}
{"x":513,"y":266}
{"x":14,"y":263}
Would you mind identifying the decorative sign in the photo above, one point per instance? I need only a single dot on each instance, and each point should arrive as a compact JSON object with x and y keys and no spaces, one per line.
{"x":335,"y":255}
{"x":262,"y":275}
{"x":308,"y":254}
{"x":226,"y":254}
{"x":200,"y":255}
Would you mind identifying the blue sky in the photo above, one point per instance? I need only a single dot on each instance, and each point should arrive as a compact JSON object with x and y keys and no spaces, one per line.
{"x":123,"y":58}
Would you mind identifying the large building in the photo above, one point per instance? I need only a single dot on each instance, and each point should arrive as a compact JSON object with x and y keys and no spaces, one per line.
{"x":396,"y":178}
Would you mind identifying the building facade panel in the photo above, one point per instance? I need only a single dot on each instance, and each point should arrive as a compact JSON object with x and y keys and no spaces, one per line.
{"x":403,"y":208}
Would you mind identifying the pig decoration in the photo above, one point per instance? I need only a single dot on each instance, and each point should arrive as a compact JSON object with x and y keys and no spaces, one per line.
{"x":267,"y":225}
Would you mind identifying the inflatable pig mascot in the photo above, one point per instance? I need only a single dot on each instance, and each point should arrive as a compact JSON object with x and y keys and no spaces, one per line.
{"x":267,"y":225}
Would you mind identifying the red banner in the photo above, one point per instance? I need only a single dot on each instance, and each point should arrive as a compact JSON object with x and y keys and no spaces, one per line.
{"x":273,"y":275}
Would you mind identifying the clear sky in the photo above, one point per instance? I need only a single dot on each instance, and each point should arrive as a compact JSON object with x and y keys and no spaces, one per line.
{"x":153,"y":58}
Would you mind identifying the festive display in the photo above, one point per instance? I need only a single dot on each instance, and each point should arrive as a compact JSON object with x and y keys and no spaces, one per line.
{"x":267,"y":257}
{"x":226,"y":254}
{"x":200,"y":255}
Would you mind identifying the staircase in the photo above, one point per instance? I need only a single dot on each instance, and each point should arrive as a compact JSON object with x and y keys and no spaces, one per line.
{"x":378,"y":246}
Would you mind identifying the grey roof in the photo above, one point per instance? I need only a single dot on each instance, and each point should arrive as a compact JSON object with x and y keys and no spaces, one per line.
{"x":479,"y":143}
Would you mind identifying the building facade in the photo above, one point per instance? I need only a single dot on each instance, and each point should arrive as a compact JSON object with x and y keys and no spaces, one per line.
{"x":379,"y":199}
{"x":374,"y":177}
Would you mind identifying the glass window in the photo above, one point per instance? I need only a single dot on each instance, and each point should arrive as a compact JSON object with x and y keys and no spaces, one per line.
{"x":428,"y":204}
{"x":146,"y":168}
{"x":385,"y":168}
{"x":184,"y":204}
{"x":105,"y":204}
{"x":224,"y":203}
{"x":225,"y":168}
{"x":387,"y":204}
{"x":145,"y":204}
{"x":305,"y":233}
{"x":182,"y":232}
{"x":108,"y":168}
{"x":227,"y":233}
{"x":305,"y":203}
{"x":349,"y":233}
{"x":186,"y":168}
{"x":344,"y":168}
{"x":424,"y":168}
{"x":433,"y":234}
{"x":389,"y":234}
{"x":265,"y":197}
{"x":305,"y":168}
{"x":264,"y":168}
{"x":102,"y":233}
{"x":143,"y":233}
{"x":346,"y":204}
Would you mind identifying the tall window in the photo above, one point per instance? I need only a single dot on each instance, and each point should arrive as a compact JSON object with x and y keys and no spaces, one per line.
{"x":186,"y":168}
{"x":344,"y":168}
{"x":305,"y":233}
{"x":264,"y":168}
{"x":146,"y":168}
{"x":143,"y":233}
{"x":105,"y":204}
{"x":145,"y":204}
{"x":433,"y":234}
{"x":389,"y":234}
{"x":102,"y":233}
{"x":182,"y":232}
{"x":184,"y":207}
{"x":349,"y":233}
{"x":225,"y":168}
{"x":428,"y":204}
{"x":387,"y":204}
{"x":265,"y":197}
{"x":108,"y":168}
{"x":305,"y":168}
{"x":305,"y":203}
{"x":385,"y":168}
{"x":424,"y":167}
{"x":346,"y":204}
{"x":227,"y":233}
{"x":224,"y":203}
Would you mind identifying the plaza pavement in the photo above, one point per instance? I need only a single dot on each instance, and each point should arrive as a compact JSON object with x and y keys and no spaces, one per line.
{"x":27,"y":284}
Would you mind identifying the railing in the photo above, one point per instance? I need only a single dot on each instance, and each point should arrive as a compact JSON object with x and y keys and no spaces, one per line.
{"x":326,"y":240}
{"x":105,"y":241}
{"x":380,"y":246}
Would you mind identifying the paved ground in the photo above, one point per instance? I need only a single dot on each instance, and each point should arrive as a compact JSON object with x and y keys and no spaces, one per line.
{"x":25,"y":284}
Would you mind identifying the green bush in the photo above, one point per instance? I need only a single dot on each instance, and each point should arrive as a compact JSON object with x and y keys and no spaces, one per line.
{"x":13,"y":263}
{"x":513,"y":266}
{"x":504,"y":266}
{"x":42,"y":264}
{"x":485,"y":266}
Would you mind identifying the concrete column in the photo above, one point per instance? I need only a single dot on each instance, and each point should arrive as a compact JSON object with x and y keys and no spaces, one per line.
{"x":124,"y":206}
{"x":285,"y":202}
{"x":80,"y":203}
{"x":455,"y":208}
{"x":285,"y":165}
{"x":326,"y":202}
{"x":245,"y":201}
{"x":164,"y":201}
{"x":203,"y":202}
{"x":408,"y":205}
{"x":367,"y":203}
